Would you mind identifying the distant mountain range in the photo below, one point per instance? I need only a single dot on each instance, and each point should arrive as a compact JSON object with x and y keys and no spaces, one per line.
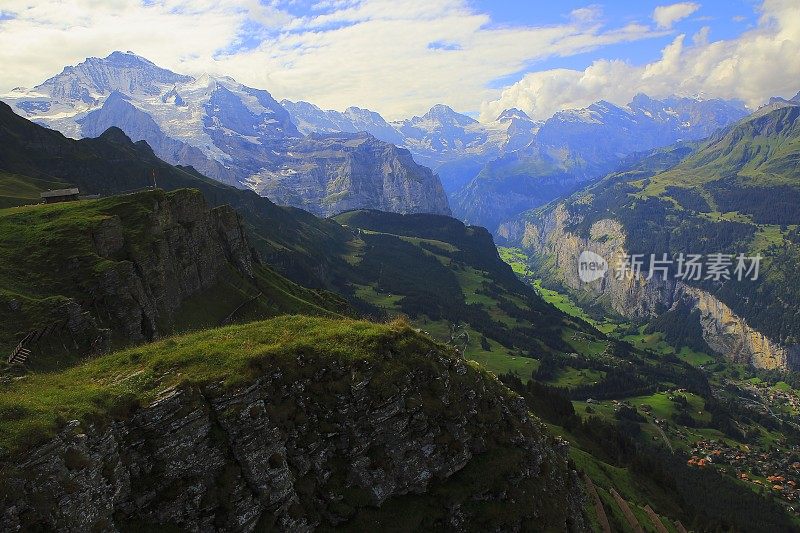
{"x":329,"y":161}
{"x":493,"y":171}
{"x":454,"y":145}
{"x":236,"y":134}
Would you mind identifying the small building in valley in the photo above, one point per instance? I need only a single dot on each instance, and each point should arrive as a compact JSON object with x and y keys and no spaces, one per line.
{"x":60,"y":195}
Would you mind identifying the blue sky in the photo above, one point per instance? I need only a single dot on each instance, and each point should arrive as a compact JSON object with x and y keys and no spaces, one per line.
{"x":726,"y":20}
{"x":402,"y":57}
{"x":719,"y":15}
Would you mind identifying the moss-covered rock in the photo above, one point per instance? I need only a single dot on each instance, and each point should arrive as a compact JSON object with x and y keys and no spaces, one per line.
{"x":294,"y":423}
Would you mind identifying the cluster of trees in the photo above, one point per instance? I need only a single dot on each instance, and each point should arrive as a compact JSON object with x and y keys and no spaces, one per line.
{"x":740,"y":418}
{"x":400,"y":267}
{"x":772,"y":303}
{"x":623,"y":382}
{"x":627,"y":372}
{"x":429,"y":287}
{"x":681,"y":327}
{"x":766,"y":205}
{"x":690,"y":199}
{"x":654,"y":226}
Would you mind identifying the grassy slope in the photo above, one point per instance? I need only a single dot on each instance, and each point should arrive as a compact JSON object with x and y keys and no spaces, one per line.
{"x":40,"y":240}
{"x":762,"y":149}
{"x":31,"y":408}
{"x":475,"y":302}
{"x":21,"y":190}
{"x":468,"y":260}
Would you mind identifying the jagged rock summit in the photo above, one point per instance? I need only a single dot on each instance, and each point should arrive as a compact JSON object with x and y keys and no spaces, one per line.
{"x":231,"y":132}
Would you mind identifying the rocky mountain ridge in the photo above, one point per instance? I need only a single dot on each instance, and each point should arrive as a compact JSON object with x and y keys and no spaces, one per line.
{"x":129,"y":265}
{"x":332,"y":173}
{"x":226,"y":130}
{"x":311,"y":439}
{"x":498,"y":169}
{"x":577,"y":146}
{"x":454,"y":145}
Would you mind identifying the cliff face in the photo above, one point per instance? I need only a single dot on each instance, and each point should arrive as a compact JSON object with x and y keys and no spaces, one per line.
{"x":559,"y":249}
{"x":309,"y":441}
{"x":188,"y":247}
{"x":331,"y":174}
{"x":728,"y":334}
{"x":116,"y":269}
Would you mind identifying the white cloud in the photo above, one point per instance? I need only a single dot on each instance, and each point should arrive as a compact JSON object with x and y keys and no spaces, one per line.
{"x":398,"y":58}
{"x":666,"y":16}
{"x":586,"y":14}
{"x":42,"y":37}
{"x":761,"y":62}
{"x":381,"y":54}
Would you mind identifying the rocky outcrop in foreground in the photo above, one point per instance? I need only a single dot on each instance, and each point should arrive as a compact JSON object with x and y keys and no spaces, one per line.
{"x":412,"y":437}
{"x":189,"y":247}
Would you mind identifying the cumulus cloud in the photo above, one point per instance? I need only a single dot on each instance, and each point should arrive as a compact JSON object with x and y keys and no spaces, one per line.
{"x":396,"y":57}
{"x":666,"y":16}
{"x":759,"y":63}
{"x":400,"y":58}
{"x":38,"y":38}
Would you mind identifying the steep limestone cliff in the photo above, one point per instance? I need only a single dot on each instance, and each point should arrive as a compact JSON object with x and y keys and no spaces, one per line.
{"x":330,"y":174}
{"x":189,"y":247}
{"x":298,"y":423}
{"x":728,"y":334}
{"x":118,"y":268}
{"x":558,"y":250}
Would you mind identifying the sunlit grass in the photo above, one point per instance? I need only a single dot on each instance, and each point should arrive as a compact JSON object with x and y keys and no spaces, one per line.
{"x":32,"y":407}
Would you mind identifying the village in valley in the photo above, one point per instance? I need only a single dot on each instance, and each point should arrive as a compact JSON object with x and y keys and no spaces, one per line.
{"x":775,"y":470}
{"x":766,"y":466}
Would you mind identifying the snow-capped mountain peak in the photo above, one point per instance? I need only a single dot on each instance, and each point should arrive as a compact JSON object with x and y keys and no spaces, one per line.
{"x":237,"y":134}
{"x":513,"y":114}
{"x":97,"y":77}
{"x":444,"y":115}
{"x":184,"y":107}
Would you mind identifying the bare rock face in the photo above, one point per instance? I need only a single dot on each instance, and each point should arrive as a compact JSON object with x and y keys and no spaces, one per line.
{"x":186,"y":248}
{"x":330,"y":174}
{"x":637,"y":298}
{"x":141,"y":258}
{"x":727,"y":333}
{"x":312,"y":442}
